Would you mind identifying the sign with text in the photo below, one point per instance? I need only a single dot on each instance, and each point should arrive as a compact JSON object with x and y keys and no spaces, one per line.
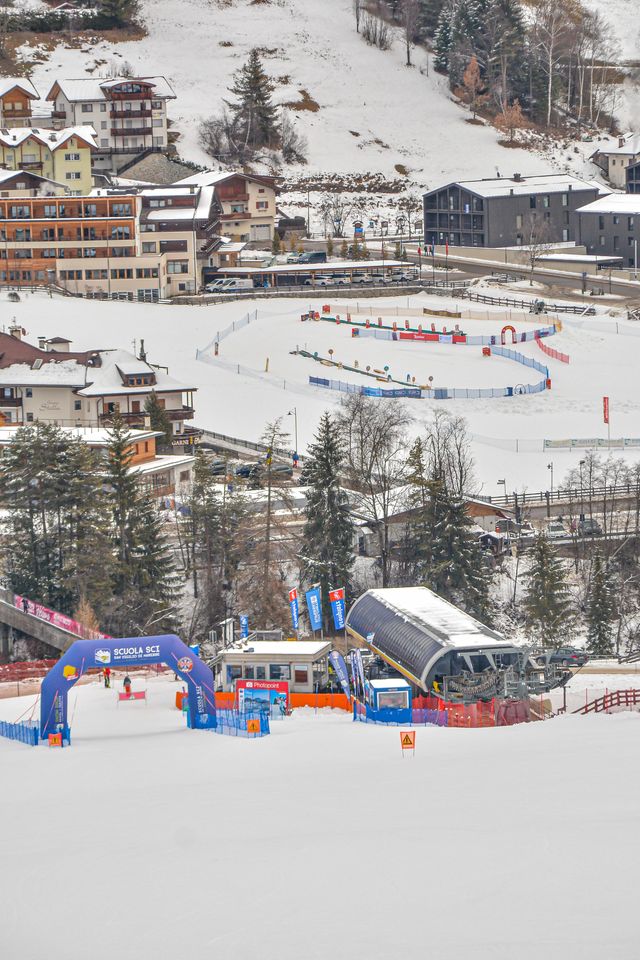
{"x":295,"y":611}
{"x":605,"y":409}
{"x":336,"y":599}
{"x":314,"y":606}
{"x":261,"y":694}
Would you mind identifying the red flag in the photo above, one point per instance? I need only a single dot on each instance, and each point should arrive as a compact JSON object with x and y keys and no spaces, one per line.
{"x":419,"y":251}
{"x":446,"y":248}
{"x":605,"y":409}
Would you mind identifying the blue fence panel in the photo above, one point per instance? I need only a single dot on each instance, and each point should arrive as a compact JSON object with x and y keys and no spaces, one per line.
{"x":25,"y":732}
{"x":233,"y":723}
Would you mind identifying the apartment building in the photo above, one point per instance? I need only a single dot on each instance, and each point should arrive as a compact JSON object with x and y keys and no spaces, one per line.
{"x":22,"y":183}
{"x":615,"y":158}
{"x":244,"y":205}
{"x":61,"y":155}
{"x":16,"y":101}
{"x":52,"y":383}
{"x":129,"y":115}
{"x":498,"y":212}
{"x":610,"y":226}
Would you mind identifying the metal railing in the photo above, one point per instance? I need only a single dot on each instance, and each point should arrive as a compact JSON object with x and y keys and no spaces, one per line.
{"x":584,"y":494}
{"x":526,"y":304}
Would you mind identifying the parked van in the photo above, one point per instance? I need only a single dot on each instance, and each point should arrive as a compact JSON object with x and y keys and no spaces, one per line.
{"x":313,"y":256}
{"x":229,"y":285}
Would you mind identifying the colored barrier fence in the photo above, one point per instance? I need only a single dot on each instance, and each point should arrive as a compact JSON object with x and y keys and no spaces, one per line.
{"x":550,"y":352}
{"x":26,"y":731}
{"x":364,"y":713}
{"x":336,"y":701}
{"x":233,"y":723}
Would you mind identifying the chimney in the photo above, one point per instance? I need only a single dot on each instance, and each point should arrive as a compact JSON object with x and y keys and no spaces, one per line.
{"x":143,"y":355}
{"x":15,"y":329}
{"x":192,"y":189}
{"x":42,"y":343}
{"x":517,"y":178}
{"x":621,"y":141}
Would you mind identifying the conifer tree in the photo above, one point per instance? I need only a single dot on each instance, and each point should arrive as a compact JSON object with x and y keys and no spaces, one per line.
{"x":253,"y":112}
{"x":600,"y":610}
{"x":329,"y":531}
{"x":119,"y":13}
{"x":443,"y":40}
{"x":159,"y":420}
{"x":547,"y":604}
{"x":457,"y":568}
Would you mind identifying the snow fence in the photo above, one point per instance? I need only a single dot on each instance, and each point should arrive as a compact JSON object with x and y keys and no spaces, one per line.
{"x":26,"y":731}
{"x":234,"y":723}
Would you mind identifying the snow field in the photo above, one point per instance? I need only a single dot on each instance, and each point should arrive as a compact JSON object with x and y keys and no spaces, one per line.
{"x":153,"y":841}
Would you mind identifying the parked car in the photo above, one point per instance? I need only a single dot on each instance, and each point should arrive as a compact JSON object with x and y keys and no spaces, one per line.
{"x":320,"y":280}
{"x":218,"y":467}
{"x":282,"y":470}
{"x":248,"y":471}
{"x":566,"y":656}
{"x":589,"y":528}
{"x":555,"y":530}
{"x":313,"y":256}
{"x":505,"y":525}
{"x":229,"y":285}
{"x":293,"y":258}
{"x":361,"y":278}
{"x":403,"y":277}
{"x":340,"y":279}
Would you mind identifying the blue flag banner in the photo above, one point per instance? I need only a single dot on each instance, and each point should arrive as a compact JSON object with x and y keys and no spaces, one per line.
{"x":359,"y":666}
{"x":337,"y":662}
{"x":314,"y":606}
{"x":336,"y":598}
{"x":293,"y":604}
{"x":244,"y":625}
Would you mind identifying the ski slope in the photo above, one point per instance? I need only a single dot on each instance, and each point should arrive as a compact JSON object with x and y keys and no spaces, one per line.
{"x":374,"y":112}
{"x":148,"y":841}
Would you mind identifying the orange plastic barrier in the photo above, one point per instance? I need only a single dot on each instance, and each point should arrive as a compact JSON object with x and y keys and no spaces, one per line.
{"x":55,"y":739}
{"x":336,"y":701}
{"x":180,"y":695}
{"x":225,"y":701}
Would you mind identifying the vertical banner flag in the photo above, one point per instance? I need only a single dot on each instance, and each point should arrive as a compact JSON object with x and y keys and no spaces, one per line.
{"x":357,"y":660}
{"x":337,"y":662}
{"x":354,"y":672}
{"x":244,"y":625}
{"x":605,"y":409}
{"x":293,"y":604}
{"x":314,"y":606}
{"x":336,"y":598}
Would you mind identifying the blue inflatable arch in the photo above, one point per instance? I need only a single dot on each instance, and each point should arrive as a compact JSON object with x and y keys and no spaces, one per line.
{"x":122,"y":654}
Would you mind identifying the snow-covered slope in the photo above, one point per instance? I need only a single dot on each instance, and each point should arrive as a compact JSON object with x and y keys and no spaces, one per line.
{"x":374,"y":112}
{"x":622,"y":15}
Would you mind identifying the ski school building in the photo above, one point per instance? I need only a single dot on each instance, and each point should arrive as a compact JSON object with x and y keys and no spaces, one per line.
{"x":302,"y":663}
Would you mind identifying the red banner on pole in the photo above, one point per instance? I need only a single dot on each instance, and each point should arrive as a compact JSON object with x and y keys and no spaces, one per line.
{"x":605,"y":409}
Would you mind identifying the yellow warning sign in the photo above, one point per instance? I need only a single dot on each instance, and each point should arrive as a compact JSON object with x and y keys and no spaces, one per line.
{"x":408,"y":740}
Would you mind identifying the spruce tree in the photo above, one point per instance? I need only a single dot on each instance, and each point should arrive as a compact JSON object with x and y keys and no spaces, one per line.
{"x":416,"y":547}
{"x":329,"y":530}
{"x":444,"y":40}
{"x":159,"y":420}
{"x":600,"y":610}
{"x":254,"y":114}
{"x":119,"y":13}
{"x":458,"y":569}
{"x":547,"y":604}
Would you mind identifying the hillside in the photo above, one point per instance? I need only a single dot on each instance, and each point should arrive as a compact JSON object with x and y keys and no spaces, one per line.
{"x":373,"y":112}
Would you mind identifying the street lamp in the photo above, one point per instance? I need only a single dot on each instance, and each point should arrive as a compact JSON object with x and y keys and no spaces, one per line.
{"x":502,"y":483}
{"x":581,"y":465}
{"x":294,"y":413}
{"x":550,"y":467}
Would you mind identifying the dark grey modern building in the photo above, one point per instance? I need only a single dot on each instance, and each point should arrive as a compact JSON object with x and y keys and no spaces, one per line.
{"x":633,"y":177}
{"x":500,"y":212}
{"x":610,"y":226}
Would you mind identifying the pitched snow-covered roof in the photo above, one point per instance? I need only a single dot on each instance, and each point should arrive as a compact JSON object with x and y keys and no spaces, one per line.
{"x":10,"y":83}
{"x":93,"y":436}
{"x":628,"y":145}
{"x":14,"y":136}
{"x":93,"y":88}
{"x":60,"y":373}
{"x":280,"y":648}
{"x":107,"y":379}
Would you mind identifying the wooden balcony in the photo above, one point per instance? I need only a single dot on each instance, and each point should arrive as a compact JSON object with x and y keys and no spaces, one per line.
{"x":131,"y":131}
{"x":10,"y":402}
{"x":123,"y":114}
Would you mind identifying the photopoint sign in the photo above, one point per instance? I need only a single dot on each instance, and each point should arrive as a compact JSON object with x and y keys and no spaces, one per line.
{"x":261,"y":694}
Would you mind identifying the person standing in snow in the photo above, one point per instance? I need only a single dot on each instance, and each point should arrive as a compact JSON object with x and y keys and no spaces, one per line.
{"x":126,"y":683}
{"x":107,"y":677}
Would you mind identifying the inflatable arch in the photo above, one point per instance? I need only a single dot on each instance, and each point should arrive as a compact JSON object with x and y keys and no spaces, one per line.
{"x":84,"y":655}
{"x":503,"y":334}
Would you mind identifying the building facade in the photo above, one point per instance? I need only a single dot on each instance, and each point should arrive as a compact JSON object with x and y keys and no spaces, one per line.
{"x":129,"y":115}
{"x":51,"y":383}
{"x":16,"y":98}
{"x":615,"y":159}
{"x":502,"y":212}
{"x":244,"y":205}
{"x":61,"y":155}
{"x":610,"y":226}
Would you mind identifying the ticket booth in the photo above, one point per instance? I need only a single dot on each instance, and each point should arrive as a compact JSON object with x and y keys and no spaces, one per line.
{"x":390,"y":699}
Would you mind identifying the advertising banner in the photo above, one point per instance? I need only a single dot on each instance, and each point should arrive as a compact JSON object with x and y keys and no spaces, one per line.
{"x":357,"y":656}
{"x":605,"y":409}
{"x":261,"y":694}
{"x":295,"y":611}
{"x":337,"y":662}
{"x":56,"y":619}
{"x":244,"y":625}
{"x":336,"y":598}
{"x":314,"y":606}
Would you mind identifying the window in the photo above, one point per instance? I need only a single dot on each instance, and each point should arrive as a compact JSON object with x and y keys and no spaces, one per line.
{"x":103,"y":108}
{"x":300,"y":674}
{"x":29,"y":418}
{"x":49,"y":233}
{"x":122,"y":274}
{"x":248,"y":673}
{"x":279,"y":671}
{"x":533,"y":203}
{"x":29,"y":392}
{"x":87,"y":108}
{"x":104,"y":142}
{"x":72,"y":156}
{"x":616,"y":243}
{"x":602,"y":240}
{"x":103,"y":124}
{"x":50,"y":210}
{"x":22,"y":234}
{"x":616,"y":221}
{"x":263,"y":205}
{"x":77,"y":404}
{"x":630,"y":223}
{"x":177,"y":266}
{"x":89,"y":252}
{"x":157,"y":203}
{"x":566,"y":216}
{"x":630,"y":241}
{"x":90,"y":209}
{"x":157,"y":122}
{"x":49,"y":253}
{"x":546,"y":200}
{"x":29,"y":158}
{"x":261,"y":673}
{"x":156,"y":104}
{"x":146,"y":272}
{"x":173,"y":246}
{"x":519,"y":221}
{"x":120,"y":233}
{"x":600,"y":223}
{"x":233,"y":673}
{"x":21,"y":254}
{"x":565,"y":234}
{"x":149,"y":247}
{"x":121,"y":210}
{"x":18,"y":212}
{"x":72,"y":175}
{"x":565,"y":199}
{"x":158,"y":141}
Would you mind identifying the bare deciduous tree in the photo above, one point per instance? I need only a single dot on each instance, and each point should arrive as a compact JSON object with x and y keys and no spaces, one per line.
{"x":410,"y":15}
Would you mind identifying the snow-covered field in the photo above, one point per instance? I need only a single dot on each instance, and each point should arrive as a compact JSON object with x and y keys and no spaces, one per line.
{"x":147,"y":840}
{"x":508,"y":433}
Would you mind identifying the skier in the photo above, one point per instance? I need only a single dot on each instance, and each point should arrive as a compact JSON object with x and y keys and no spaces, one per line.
{"x":126,"y":683}
{"x":25,"y":605}
{"x":107,"y":677}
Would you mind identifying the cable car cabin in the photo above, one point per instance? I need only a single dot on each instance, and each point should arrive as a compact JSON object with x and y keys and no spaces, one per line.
{"x":390,"y":700}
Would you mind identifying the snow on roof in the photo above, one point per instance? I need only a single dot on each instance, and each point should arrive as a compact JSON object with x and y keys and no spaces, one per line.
{"x":614,"y":203}
{"x":422,"y":606}
{"x":630,"y":146}
{"x":337,"y":266}
{"x":92,"y":88}
{"x":53,"y":139}
{"x":161,"y":463}
{"x":10,"y":83}
{"x":107,"y":379}
{"x":172,"y":213}
{"x":207,"y":177}
{"x":93,"y":436}
{"x":281,"y":648}
{"x":506,"y":187}
{"x":389,"y":684}
{"x":59,"y":373}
